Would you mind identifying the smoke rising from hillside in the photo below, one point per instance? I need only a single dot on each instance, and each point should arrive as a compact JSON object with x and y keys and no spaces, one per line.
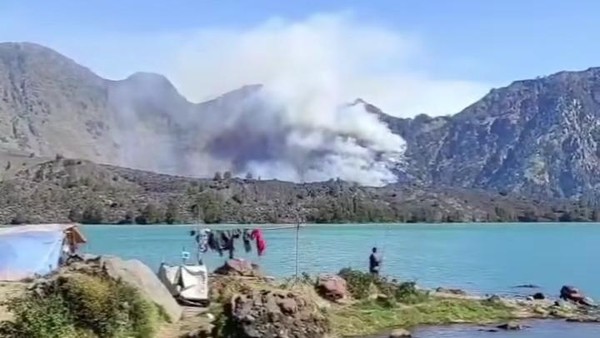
{"x":296,"y":126}
{"x":304,"y":137}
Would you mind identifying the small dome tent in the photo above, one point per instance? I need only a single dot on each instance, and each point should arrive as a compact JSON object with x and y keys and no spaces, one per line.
{"x":27,"y":251}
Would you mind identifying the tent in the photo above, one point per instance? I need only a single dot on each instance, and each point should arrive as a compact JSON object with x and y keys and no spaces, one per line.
{"x":27,"y":251}
{"x":187,"y":283}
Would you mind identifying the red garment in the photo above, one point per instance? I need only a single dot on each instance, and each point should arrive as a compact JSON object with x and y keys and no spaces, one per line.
{"x":261,"y":244}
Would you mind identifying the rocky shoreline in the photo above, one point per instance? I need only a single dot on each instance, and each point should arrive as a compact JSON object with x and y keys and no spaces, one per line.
{"x":245,"y":303}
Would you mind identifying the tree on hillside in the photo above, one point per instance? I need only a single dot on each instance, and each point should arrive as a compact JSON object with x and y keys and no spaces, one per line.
{"x":128,"y":219}
{"x":227,"y":175}
{"x":218,"y":176}
{"x":171,"y":215}
{"x":210,"y":205}
{"x":92,"y":214}
{"x":75,"y":215}
{"x":150,"y":215}
{"x":19,"y":219}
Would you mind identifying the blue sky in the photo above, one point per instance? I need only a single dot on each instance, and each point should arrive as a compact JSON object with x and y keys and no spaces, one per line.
{"x":484,"y":43}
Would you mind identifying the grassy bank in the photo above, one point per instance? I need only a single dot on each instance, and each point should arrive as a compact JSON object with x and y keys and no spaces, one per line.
{"x":370,"y":317}
{"x":381,"y":304}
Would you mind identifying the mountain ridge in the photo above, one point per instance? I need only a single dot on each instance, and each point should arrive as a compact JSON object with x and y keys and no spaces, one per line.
{"x":534,"y":137}
{"x":498,"y":142}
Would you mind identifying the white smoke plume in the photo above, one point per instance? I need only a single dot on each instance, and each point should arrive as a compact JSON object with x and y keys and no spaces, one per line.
{"x":297,"y":125}
{"x":309,"y":132}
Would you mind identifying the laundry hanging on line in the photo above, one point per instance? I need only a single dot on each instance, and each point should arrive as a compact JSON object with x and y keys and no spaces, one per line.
{"x":222,"y":241}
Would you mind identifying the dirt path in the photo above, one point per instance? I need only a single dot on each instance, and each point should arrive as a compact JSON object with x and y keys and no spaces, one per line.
{"x":194,"y":318}
{"x":7,"y":291}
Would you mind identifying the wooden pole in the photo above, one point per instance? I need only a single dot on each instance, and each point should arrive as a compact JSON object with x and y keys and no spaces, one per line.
{"x":297,"y":236}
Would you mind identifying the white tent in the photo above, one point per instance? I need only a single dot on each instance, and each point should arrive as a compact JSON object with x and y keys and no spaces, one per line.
{"x":188,"y":283}
{"x":27,"y":251}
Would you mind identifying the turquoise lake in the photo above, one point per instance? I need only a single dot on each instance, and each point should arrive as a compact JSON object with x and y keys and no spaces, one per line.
{"x":485,"y":259}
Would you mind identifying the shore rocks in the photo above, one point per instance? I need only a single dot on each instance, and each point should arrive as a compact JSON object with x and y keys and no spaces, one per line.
{"x":239,"y":267}
{"x":584,"y":319}
{"x":400,"y":333}
{"x":332,"y":287}
{"x":510,"y":326}
{"x":538,"y":296}
{"x":273,"y":313}
{"x":457,"y":292}
{"x":572,"y":294}
{"x":526,"y":286}
{"x":495,"y":299}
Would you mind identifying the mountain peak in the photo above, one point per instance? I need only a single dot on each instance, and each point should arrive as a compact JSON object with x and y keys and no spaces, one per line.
{"x":147,"y":76}
{"x":24,"y":46}
{"x":151,"y":82}
{"x":32,"y":50}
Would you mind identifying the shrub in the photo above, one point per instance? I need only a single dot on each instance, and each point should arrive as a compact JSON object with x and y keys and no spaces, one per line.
{"x":407,"y":293}
{"x":37,"y":317}
{"x":95,"y":304}
{"x":83,"y":306}
{"x":109,"y":308}
{"x":361,"y":285}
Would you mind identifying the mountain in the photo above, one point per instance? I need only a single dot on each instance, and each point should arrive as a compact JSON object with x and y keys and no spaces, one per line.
{"x":51,"y":105}
{"x":535,"y":137}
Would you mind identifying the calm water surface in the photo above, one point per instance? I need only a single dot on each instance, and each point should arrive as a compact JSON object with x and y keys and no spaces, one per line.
{"x":541,"y":329}
{"x":479,"y":258}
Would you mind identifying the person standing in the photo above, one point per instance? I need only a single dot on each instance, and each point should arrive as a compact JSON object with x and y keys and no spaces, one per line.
{"x":374,"y":262}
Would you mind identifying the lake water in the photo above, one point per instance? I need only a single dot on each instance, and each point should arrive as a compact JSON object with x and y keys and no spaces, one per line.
{"x":486,"y":259}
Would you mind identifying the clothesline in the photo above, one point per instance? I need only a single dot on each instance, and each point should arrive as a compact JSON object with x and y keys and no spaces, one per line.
{"x":223,"y":240}
{"x":276,"y":228}
{"x":283,"y":227}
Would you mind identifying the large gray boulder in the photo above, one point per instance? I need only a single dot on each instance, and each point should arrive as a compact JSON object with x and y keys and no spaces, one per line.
{"x":140,"y":276}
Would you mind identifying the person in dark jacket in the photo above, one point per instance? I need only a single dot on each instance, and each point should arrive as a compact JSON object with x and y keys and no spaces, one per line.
{"x":374,"y":262}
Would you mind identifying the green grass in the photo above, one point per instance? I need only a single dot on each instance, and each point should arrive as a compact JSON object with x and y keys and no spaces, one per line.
{"x":370,"y":317}
{"x":83,"y":306}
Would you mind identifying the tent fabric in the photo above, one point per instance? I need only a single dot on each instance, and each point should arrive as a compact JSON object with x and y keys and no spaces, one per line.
{"x":189,"y":282}
{"x":195,"y":283}
{"x":26,"y":254}
{"x":169,"y":276}
{"x":30,"y":250}
{"x":72,"y":231}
